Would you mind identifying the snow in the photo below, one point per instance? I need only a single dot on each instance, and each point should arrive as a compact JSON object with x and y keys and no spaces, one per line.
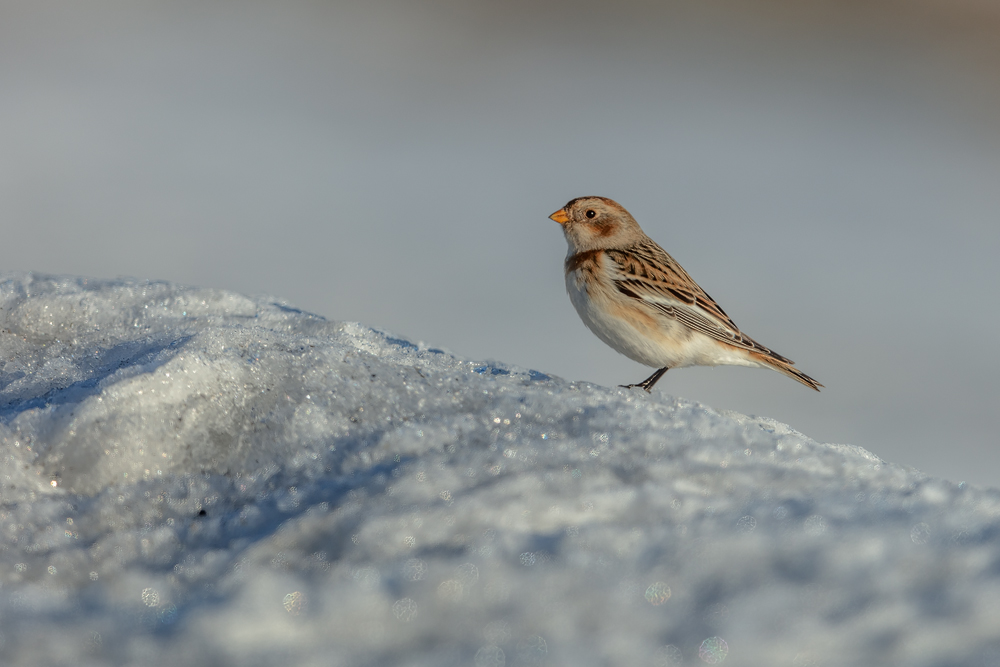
{"x":191,"y":476}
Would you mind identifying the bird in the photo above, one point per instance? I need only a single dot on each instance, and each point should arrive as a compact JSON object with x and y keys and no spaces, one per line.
{"x":636,"y":298}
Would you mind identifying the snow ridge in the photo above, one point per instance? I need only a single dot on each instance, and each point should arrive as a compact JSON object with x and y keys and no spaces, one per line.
{"x":191,"y":476}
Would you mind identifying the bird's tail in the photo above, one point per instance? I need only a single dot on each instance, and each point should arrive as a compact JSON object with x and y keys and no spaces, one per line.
{"x":785,"y":367}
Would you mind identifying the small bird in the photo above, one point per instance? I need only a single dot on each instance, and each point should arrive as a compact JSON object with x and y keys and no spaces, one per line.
{"x":637,"y":298}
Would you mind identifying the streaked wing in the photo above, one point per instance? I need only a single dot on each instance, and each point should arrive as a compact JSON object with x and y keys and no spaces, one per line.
{"x":647,"y":273}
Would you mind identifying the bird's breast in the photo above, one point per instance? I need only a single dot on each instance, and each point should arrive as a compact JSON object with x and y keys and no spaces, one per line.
{"x":588,"y":261}
{"x":631,"y":330}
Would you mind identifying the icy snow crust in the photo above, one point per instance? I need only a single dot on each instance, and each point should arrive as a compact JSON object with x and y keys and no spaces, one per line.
{"x":196,"y":477}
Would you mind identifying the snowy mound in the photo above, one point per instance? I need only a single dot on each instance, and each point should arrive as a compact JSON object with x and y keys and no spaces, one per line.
{"x":194,"y":477}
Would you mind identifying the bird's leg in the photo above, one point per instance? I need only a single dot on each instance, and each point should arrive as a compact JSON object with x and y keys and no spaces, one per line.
{"x":648,"y":383}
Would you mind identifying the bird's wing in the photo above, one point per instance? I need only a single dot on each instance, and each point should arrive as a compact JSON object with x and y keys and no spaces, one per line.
{"x":647,"y":273}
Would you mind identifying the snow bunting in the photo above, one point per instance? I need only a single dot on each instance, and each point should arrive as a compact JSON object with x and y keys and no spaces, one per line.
{"x":637,"y":298}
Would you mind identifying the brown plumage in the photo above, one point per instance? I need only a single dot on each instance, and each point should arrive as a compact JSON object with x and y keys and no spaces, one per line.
{"x":640,"y":301}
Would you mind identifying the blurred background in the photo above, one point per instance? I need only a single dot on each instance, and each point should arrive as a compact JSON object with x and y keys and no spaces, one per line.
{"x":829,"y":171}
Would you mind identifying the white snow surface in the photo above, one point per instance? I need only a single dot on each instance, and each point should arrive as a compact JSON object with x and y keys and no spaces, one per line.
{"x":191,"y":476}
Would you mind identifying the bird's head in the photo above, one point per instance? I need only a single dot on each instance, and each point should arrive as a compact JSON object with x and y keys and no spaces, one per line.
{"x":596,"y":222}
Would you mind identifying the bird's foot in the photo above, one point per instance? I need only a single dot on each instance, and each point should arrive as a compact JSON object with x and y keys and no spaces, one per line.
{"x":648,"y":383}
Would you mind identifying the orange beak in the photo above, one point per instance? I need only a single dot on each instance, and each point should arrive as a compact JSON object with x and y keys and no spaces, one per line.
{"x":560,"y":216}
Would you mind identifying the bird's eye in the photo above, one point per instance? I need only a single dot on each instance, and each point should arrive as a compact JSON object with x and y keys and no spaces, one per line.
{"x":591,"y":213}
